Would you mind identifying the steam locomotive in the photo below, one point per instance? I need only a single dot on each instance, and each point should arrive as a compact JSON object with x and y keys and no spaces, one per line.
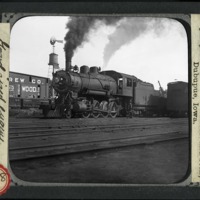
{"x":95,"y":93}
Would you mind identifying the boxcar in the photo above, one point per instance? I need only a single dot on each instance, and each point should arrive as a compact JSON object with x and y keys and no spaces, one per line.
{"x":26,"y":90}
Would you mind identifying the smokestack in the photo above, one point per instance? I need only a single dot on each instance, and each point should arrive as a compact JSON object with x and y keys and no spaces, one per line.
{"x":68,"y":65}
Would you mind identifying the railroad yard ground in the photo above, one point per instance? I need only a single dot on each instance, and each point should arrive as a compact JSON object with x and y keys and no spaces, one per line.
{"x":122,"y":150}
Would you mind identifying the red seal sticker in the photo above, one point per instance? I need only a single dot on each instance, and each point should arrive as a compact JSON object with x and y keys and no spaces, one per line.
{"x":4,"y":179}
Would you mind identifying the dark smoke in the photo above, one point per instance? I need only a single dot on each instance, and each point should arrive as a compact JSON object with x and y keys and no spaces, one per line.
{"x":129,"y":29}
{"x":78,"y":30}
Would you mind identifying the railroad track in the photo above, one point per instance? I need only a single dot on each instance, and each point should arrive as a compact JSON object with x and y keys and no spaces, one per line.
{"x":36,"y":139}
{"x":28,"y":132}
{"x":54,"y":125}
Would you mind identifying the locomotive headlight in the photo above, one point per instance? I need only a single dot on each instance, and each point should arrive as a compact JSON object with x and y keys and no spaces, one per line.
{"x":56,"y":80}
{"x":62,"y":81}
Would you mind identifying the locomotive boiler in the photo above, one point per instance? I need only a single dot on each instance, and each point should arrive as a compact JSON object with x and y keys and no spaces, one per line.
{"x":87,"y":82}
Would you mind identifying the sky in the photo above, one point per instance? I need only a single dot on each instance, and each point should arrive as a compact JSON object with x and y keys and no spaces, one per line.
{"x":150,"y":49}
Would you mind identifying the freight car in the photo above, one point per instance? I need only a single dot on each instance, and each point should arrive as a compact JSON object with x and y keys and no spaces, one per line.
{"x":107,"y":93}
{"x":26,"y":91}
{"x":177,"y":99}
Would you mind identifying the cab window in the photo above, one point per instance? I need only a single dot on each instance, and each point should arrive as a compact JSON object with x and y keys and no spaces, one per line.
{"x":129,"y":82}
{"x":120,"y":83}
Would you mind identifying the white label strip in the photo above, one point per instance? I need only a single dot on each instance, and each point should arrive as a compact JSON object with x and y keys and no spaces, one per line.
{"x":195,"y":108}
{"x":4,"y":85}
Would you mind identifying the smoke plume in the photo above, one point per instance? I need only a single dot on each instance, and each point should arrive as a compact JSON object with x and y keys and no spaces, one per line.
{"x":128,"y":30}
{"x":78,"y":30}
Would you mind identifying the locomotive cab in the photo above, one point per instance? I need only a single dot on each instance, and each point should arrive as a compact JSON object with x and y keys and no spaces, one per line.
{"x":124,"y":81}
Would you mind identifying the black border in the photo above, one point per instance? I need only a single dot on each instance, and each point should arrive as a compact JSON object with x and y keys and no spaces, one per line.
{"x":101,"y":7}
{"x":102,"y":192}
